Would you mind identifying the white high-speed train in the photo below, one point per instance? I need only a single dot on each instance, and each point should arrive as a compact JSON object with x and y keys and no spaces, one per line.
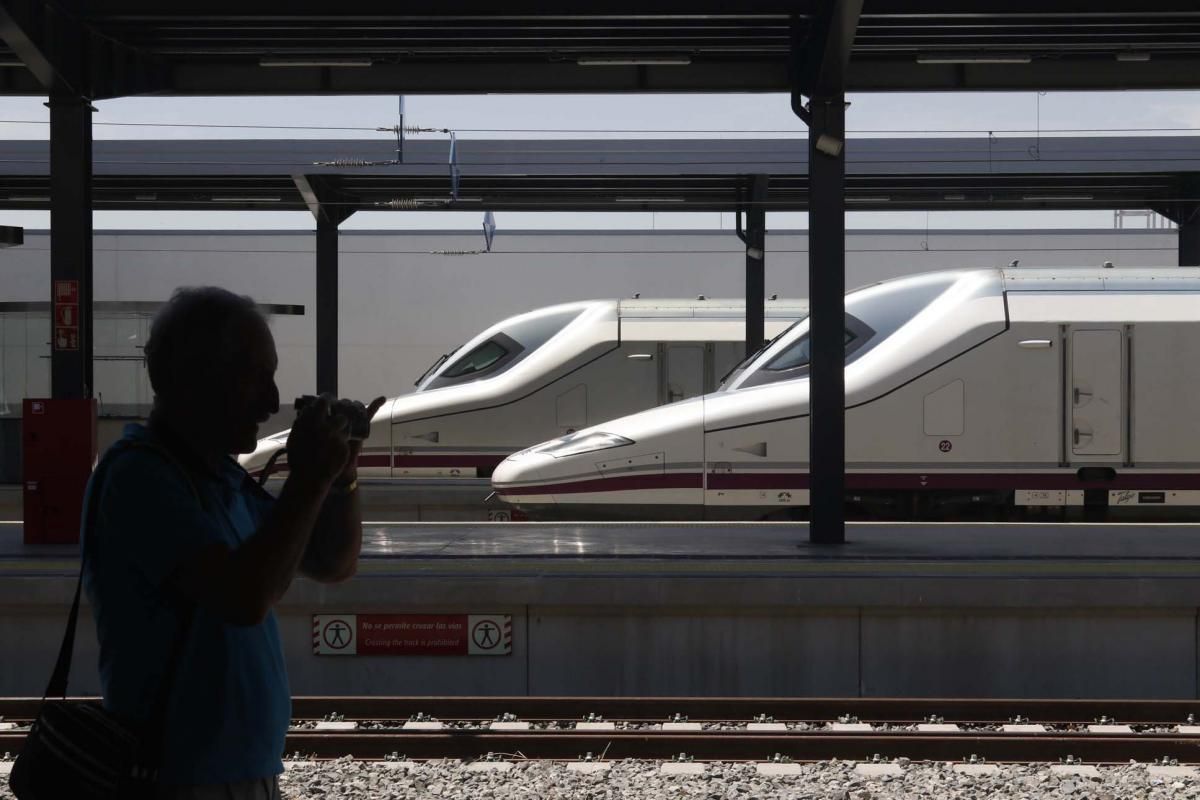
{"x":547,"y":373}
{"x":1010,"y":390}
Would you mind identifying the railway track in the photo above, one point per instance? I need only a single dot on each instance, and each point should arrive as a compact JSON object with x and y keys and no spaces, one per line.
{"x":722,"y":729}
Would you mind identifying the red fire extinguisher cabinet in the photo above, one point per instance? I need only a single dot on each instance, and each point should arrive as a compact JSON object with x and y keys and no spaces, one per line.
{"x":59,"y":451}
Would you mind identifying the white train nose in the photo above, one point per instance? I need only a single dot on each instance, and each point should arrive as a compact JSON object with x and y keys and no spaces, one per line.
{"x":519,"y":478}
{"x":253,"y":462}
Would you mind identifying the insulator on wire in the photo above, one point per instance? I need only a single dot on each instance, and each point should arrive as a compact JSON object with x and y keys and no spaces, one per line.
{"x":356,"y":162}
{"x":414,"y":202}
{"x":404,"y":203}
{"x":411,"y":129}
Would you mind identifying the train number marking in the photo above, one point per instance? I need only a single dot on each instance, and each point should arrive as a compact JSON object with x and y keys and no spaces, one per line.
{"x":945,"y":445}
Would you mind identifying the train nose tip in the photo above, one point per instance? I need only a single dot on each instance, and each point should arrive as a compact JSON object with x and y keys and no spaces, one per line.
{"x":520,"y":471}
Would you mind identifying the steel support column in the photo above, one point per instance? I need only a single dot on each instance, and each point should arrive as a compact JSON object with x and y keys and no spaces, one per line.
{"x":327,"y":305}
{"x":71,"y":246}
{"x":1184,"y":211}
{"x":331,"y":207}
{"x":819,"y":61}
{"x":1189,"y":237}
{"x":827,"y":311}
{"x":755,"y":239}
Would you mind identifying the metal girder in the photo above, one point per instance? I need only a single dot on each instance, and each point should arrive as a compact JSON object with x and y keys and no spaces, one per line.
{"x":68,"y":56}
{"x":820,"y":59}
{"x":755,"y":239}
{"x":325,"y":198}
{"x":737,"y":76}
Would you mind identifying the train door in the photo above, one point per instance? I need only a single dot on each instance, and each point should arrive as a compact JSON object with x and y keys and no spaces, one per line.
{"x":1096,"y":395}
{"x":681,"y":372}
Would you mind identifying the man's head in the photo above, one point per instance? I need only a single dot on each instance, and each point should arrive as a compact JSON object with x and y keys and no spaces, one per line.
{"x":212,"y":361}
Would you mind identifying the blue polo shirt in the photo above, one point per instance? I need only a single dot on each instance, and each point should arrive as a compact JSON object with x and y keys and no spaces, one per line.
{"x":230,"y":705}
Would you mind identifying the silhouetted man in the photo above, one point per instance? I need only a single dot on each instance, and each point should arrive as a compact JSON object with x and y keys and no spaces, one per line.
{"x":189,"y":556}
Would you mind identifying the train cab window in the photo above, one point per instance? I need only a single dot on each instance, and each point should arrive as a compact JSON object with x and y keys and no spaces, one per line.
{"x":793,"y":362}
{"x":501,"y":349}
{"x":479,"y":359}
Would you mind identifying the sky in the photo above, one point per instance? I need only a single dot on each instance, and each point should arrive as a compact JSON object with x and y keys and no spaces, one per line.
{"x":608,"y":116}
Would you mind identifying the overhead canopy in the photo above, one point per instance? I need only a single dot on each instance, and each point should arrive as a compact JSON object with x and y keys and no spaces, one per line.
{"x":242,"y":47}
{"x":616,"y":175}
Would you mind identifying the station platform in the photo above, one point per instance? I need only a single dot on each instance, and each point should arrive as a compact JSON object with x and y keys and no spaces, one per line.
{"x":388,"y":500}
{"x":913,"y":609}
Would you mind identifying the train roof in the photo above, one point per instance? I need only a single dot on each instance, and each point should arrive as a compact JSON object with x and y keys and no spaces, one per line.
{"x":1102,"y":279}
{"x":710,"y":308}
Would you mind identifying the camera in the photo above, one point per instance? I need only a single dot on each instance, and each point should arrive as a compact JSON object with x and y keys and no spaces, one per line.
{"x":359,"y":424}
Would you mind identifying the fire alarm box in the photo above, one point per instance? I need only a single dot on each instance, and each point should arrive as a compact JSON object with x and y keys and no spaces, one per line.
{"x":59,"y":451}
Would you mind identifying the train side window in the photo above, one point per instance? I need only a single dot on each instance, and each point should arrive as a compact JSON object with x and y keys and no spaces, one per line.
{"x":793,"y":362}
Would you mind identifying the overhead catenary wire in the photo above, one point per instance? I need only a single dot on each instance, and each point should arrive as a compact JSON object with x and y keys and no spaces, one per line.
{"x":625,"y":131}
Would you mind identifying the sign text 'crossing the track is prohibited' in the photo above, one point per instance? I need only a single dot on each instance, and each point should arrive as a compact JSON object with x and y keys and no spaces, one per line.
{"x":412,"y":634}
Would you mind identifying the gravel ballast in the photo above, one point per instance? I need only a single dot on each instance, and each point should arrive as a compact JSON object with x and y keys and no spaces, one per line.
{"x":635,"y":780}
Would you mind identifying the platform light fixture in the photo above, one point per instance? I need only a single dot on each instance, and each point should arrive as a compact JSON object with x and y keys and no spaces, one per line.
{"x":1133,"y":56}
{"x":964,"y":58}
{"x":244,"y":199}
{"x":877,"y":199}
{"x":315,"y":62}
{"x":954,"y":197}
{"x":1062,"y":198}
{"x":634,"y":61}
{"x":29,"y":198}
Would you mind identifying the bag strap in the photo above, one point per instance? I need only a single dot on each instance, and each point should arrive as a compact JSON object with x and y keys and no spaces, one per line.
{"x":62,"y":667}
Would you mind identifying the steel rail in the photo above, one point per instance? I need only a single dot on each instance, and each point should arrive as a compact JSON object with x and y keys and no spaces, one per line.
{"x":732,"y":745}
{"x":658,"y":709}
{"x":727,"y":709}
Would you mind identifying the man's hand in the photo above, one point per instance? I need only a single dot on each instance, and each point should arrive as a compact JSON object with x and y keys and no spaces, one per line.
{"x":318,"y":446}
{"x":350,"y":471}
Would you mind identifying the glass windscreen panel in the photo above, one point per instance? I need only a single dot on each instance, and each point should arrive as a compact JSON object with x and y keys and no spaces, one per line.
{"x":793,"y":361}
{"x":504,"y":348}
{"x":740,"y":367}
{"x":483,"y":357}
{"x":873,"y":313}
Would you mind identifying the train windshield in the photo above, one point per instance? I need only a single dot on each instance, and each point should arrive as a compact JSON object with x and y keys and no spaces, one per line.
{"x":495,"y":351}
{"x":873,"y":313}
{"x":740,"y":367}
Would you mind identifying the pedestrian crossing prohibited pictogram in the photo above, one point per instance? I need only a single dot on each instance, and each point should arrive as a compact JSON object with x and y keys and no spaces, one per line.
{"x":335,"y":634}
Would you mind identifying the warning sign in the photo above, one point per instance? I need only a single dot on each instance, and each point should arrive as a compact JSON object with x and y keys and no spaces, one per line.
{"x":412,"y":634}
{"x":66,"y":315}
{"x":66,"y":292}
{"x":66,"y":338}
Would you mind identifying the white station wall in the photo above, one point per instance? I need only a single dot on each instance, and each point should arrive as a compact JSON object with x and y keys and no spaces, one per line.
{"x":402,"y":306}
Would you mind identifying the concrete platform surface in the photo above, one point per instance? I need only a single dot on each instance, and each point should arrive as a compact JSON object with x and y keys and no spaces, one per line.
{"x":750,"y":541}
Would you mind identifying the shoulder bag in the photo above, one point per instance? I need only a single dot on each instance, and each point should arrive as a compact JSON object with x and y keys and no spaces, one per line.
{"x":77,"y":750}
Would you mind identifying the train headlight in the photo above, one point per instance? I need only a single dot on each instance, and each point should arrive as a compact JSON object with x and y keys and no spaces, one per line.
{"x":576,"y":443}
